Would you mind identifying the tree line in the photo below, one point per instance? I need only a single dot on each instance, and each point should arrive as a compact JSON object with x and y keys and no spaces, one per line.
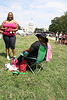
{"x":59,"y":24}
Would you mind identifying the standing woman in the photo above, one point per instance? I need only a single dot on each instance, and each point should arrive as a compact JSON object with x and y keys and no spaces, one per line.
{"x":56,"y":37}
{"x":60,"y":38}
{"x":63,"y":39}
{"x":9,"y":28}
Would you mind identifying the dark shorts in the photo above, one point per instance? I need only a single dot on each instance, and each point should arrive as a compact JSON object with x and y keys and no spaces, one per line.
{"x":59,"y":38}
{"x":9,"y":41}
{"x":56,"y":38}
{"x":63,"y":38}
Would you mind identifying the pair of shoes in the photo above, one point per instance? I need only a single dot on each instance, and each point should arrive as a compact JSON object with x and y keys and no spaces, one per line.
{"x":14,"y":59}
{"x":17,"y":72}
{"x":21,"y":73}
{"x":8,"y":57}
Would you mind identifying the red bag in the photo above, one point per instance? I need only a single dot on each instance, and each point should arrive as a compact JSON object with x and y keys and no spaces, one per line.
{"x":22,"y":66}
{"x":14,"y":61}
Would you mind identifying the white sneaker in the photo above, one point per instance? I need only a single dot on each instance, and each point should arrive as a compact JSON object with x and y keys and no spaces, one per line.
{"x":8,"y":57}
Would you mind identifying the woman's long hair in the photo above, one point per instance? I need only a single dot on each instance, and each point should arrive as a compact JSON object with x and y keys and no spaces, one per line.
{"x":8,"y":17}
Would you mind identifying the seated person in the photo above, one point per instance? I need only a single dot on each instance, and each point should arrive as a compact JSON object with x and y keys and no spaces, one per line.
{"x":33,"y":50}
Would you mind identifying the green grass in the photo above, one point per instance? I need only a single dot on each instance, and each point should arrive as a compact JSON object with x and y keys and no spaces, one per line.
{"x":49,"y":84}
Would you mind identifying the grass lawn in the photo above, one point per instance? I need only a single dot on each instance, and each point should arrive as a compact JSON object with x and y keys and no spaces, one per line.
{"x":49,"y":84}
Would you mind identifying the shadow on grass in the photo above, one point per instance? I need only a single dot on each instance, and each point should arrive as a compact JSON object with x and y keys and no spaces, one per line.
{"x":3,"y":54}
{"x":1,"y":64}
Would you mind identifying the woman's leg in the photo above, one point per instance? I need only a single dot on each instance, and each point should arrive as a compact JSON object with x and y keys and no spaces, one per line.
{"x":60,"y":41}
{"x":14,"y":52}
{"x":64,"y":42}
{"x":7,"y":51}
{"x":12,"y":45}
{"x":55,"y":40}
{"x":6,"y":40}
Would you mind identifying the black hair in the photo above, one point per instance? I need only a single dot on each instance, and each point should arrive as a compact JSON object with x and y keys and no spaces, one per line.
{"x":45,"y":40}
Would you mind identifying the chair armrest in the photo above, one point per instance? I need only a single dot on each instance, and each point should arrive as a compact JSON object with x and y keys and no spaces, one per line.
{"x":21,"y":54}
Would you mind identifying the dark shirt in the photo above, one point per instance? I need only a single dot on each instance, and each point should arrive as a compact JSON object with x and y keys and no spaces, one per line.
{"x":34,"y":48}
{"x":34,"y":51}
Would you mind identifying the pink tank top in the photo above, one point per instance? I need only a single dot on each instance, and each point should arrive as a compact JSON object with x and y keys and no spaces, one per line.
{"x":64,"y":36}
{"x":10,"y":27}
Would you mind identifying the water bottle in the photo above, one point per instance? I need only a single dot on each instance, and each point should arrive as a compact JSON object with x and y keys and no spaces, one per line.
{"x":26,"y":53}
{"x":10,"y":32}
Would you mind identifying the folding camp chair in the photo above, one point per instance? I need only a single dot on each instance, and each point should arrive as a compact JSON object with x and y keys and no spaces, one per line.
{"x":39,"y":61}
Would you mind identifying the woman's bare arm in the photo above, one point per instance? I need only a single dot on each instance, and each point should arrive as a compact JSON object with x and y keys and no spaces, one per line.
{"x":28,"y":50}
{"x":2,"y":26}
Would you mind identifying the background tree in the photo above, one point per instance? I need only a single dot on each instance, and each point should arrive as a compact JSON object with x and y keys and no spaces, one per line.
{"x":19,"y":27}
{"x":0,"y":26}
{"x":59,"y":24}
{"x":39,"y":30}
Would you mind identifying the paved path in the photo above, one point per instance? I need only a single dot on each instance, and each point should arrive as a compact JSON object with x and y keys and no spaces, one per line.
{"x":52,"y":38}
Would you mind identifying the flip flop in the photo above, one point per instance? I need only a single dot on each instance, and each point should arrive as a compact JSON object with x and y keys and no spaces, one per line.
{"x":21,"y":73}
{"x":15,"y":72}
{"x":21,"y":54}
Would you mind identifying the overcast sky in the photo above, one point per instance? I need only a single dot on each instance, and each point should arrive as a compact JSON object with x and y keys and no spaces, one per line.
{"x":41,"y":11}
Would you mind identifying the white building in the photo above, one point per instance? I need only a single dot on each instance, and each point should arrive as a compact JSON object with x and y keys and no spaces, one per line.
{"x":30,"y":28}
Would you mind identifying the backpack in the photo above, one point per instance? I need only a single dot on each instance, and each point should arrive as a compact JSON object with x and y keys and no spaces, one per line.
{"x":49,"y":52}
{"x":21,"y":66}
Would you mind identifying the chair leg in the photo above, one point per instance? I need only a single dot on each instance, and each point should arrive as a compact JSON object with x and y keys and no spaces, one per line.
{"x":36,"y":67}
{"x":39,"y":70}
{"x":41,"y":67}
{"x":31,"y":70}
{"x":46,"y":64}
